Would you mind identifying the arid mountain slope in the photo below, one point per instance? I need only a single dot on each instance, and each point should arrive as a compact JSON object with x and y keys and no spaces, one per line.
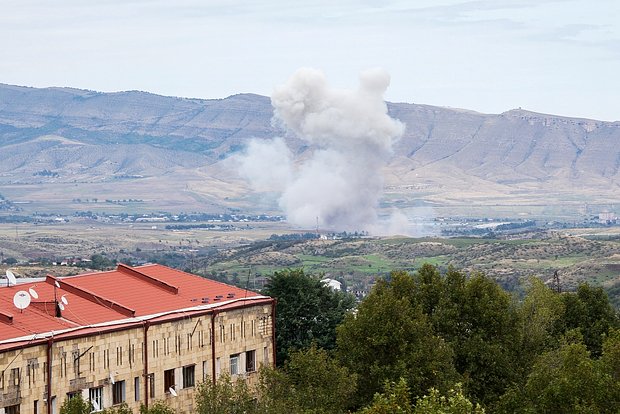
{"x":62,"y":135}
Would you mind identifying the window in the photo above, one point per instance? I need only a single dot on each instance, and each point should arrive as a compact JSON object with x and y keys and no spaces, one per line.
{"x":217,"y":367}
{"x":234,"y":364}
{"x":151,"y":381}
{"x":118,"y":392}
{"x":205,"y":370}
{"x":12,"y":409}
{"x":136,"y":388}
{"x":72,"y":395}
{"x":15,"y":377}
{"x":35,"y":407}
{"x":188,"y":376}
{"x":250,"y":361}
{"x":95,"y":396}
{"x":168,"y":380}
{"x":265,"y":356}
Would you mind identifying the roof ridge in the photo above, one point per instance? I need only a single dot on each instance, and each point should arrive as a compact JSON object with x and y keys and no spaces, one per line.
{"x":131,"y":271}
{"x":91,"y":296}
{"x":204,"y":278}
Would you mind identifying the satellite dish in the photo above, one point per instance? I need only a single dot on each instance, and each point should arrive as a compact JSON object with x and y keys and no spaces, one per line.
{"x":112,"y":378}
{"x":95,"y":405}
{"x":11,"y":278}
{"x":56,"y":284}
{"x":64,"y":300}
{"x":33,"y":293}
{"x":172,"y":391}
{"x":61,"y":306}
{"x":21,"y":300}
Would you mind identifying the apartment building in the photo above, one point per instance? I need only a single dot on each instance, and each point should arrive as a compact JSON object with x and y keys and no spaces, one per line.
{"x":132,"y":335}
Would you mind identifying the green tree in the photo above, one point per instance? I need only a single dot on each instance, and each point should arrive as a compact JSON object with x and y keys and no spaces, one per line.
{"x":589,"y":310}
{"x":157,"y":407}
{"x":393,"y":400}
{"x":75,"y":405}
{"x":123,"y":408}
{"x":390,"y":338}
{"x":566,"y":380}
{"x":225,"y":396}
{"x":454,"y":403}
{"x":307,"y":311}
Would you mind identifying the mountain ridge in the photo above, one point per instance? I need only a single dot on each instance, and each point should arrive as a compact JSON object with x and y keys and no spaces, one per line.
{"x":88,"y":136}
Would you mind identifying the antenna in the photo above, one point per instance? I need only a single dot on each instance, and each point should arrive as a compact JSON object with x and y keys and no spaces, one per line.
{"x":21,"y":300}
{"x":172,"y":391}
{"x":10,"y":277}
{"x":33,"y":293}
{"x":64,"y":300}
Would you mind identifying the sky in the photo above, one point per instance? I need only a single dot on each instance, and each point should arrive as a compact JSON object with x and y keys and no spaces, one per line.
{"x":558,"y":57}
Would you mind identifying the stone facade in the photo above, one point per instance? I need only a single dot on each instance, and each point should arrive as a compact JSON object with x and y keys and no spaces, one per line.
{"x":116,"y":365}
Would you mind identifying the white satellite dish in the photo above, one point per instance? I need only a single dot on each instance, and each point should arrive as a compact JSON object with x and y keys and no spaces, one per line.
{"x":61,"y":306}
{"x":10,"y":276}
{"x":64,"y":300}
{"x":172,"y":391}
{"x":33,"y":293}
{"x":21,"y":300}
{"x":95,"y":405}
{"x":56,"y":284}
{"x":112,"y":378}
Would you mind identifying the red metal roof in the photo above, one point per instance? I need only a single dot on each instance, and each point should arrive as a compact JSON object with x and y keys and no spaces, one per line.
{"x":127,"y":293}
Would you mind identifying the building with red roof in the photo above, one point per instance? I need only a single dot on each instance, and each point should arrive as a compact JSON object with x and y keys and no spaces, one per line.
{"x":130,"y":335}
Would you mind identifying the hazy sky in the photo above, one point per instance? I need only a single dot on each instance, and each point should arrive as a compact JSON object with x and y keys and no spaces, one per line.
{"x":560,"y":57}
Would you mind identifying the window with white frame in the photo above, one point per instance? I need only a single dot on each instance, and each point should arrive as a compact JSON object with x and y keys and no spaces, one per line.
{"x":234,"y":364}
{"x":95,"y":396}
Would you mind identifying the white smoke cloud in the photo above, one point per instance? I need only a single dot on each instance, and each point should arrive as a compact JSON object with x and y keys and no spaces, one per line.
{"x":352,"y":136}
{"x":267,"y":165}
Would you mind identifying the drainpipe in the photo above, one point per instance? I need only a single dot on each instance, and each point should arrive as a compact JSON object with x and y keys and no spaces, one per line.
{"x":146,"y":366}
{"x":50,"y":343}
{"x":213,"y":336}
{"x":273,"y":329}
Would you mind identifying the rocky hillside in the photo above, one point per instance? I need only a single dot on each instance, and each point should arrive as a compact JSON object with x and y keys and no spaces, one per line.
{"x":67,"y":135}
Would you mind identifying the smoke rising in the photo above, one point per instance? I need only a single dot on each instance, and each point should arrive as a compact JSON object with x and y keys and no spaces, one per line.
{"x":351,"y":135}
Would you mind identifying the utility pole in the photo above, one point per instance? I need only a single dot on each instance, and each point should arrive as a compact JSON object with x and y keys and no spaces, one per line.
{"x":556,"y":282}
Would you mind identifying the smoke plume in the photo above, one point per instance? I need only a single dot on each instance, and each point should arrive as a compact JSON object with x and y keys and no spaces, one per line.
{"x":351,"y":135}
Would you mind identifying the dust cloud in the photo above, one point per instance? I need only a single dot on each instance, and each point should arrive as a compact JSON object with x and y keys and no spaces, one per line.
{"x":350,"y":136}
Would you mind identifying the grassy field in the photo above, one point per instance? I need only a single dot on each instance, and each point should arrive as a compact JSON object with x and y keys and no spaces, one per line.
{"x":586,"y":256}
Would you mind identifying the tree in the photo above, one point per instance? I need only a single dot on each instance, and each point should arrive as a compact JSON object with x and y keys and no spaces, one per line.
{"x":589,"y":310}
{"x":225,"y":397}
{"x":566,"y":380}
{"x":123,"y":408}
{"x":311,"y":381}
{"x":454,"y":403}
{"x":390,"y":338}
{"x":307,"y":311}
{"x":157,"y":407}
{"x":75,"y":405}
{"x":393,"y":400}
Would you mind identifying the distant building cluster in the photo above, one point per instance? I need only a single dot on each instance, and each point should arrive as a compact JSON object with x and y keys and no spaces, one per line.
{"x":608,"y":217}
